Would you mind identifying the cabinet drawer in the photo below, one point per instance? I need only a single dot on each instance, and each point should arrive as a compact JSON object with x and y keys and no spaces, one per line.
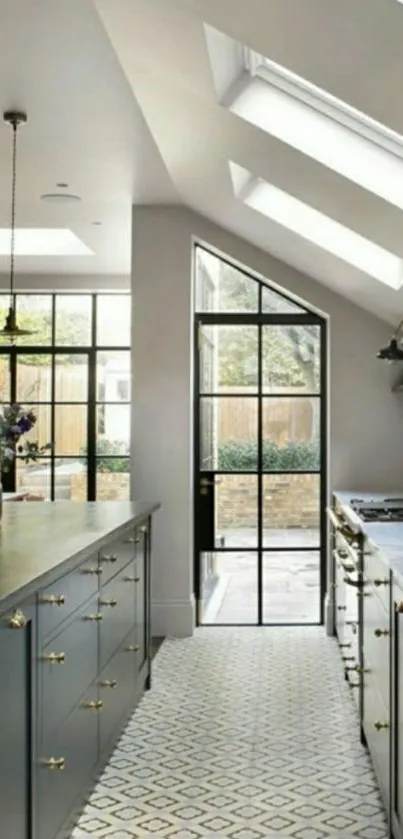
{"x":117,"y":687}
{"x":377,"y":574}
{"x":115,"y":555}
{"x":76,"y":743}
{"x":58,"y":601}
{"x":62,"y":683}
{"x":376,"y":643}
{"x":117,"y":602}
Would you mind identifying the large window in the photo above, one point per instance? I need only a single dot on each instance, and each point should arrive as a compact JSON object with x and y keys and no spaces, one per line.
{"x":74,"y":371}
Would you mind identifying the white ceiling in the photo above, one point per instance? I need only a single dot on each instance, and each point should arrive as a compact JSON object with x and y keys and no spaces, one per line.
{"x":84,"y":128}
{"x":137,"y":118}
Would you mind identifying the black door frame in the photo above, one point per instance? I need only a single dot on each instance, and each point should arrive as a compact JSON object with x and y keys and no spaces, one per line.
{"x":258,"y":319}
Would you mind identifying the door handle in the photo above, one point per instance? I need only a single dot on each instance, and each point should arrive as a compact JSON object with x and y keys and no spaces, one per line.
{"x":204,"y":482}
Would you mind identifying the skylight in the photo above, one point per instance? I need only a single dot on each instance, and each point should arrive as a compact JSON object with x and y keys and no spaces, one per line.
{"x":43,"y":242}
{"x":322,"y":127}
{"x":321,"y":230}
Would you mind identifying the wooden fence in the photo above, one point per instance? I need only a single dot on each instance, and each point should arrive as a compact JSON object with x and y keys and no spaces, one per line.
{"x":283,"y":419}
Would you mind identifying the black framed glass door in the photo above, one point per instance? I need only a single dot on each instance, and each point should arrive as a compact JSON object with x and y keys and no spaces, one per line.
{"x":260,"y":467}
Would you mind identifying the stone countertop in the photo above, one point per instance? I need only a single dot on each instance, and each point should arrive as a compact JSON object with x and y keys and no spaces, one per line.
{"x":40,"y":540}
{"x":386,"y":536}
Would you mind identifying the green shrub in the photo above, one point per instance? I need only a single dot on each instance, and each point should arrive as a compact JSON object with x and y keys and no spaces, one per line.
{"x":112,"y":455}
{"x":235,"y":456}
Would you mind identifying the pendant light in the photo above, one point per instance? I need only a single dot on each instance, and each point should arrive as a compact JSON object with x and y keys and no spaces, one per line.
{"x":394,"y":351}
{"x":11,"y":329}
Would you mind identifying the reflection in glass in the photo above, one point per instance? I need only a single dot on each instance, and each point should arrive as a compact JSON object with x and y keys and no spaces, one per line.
{"x":34,"y":378}
{"x":291,"y":359}
{"x":291,"y":587}
{"x":113,"y":320}
{"x":73,"y":320}
{"x":113,"y":479}
{"x":228,"y":433}
{"x":236,"y":500}
{"x":291,"y":510}
{"x":228,"y":359}
{"x":291,"y":433}
{"x":221,"y":287}
{"x":229,"y":588}
{"x":113,"y":376}
{"x":34,"y":312}
{"x":71,"y":378}
{"x":71,"y":479}
{"x":70,"y":430}
{"x":273,"y":303}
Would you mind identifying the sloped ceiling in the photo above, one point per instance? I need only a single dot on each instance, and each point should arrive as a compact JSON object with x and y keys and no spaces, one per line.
{"x":352,"y":49}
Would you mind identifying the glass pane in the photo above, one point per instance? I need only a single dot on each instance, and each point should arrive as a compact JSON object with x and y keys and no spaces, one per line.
{"x":113,"y":430}
{"x":70,"y":430}
{"x":5,"y":394}
{"x":113,"y":376}
{"x":228,"y":433}
{"x":34,"y":478}
{"x":291,"y":433}
{"x":273,"y":303}
{"x":291,"y":587}
{"x":73,"y":320}
{"x":4,"y":304}
{"x":229,"y":585}
{"x":71,"y":378}
{"x":34,"y":378}
{"x":113,"y":479}
{"x":71,"y":479}
{"x":291,"y":359}
{"x":114,"y":320}
{"x":228,"y":359}
{"x":236,"y":511}
{"x":291,"y":507}
{"x":223,"y":288}
{"x":34,"y":312}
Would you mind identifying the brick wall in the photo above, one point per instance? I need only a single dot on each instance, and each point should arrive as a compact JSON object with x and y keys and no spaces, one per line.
{"x":288,"y":501}
{"x":111,"y":486}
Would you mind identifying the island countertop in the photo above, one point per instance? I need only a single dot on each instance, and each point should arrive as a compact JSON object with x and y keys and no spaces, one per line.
{"x":37,"y":539}
{"x":386,"y":536}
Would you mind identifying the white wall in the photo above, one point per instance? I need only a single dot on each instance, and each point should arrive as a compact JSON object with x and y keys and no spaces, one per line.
{"x":366,"y":418}
{"x":67,"y":282}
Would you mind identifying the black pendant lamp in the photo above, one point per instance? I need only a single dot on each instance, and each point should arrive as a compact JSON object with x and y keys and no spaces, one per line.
{"x":11,"y":329}
{"x":394,"y":350}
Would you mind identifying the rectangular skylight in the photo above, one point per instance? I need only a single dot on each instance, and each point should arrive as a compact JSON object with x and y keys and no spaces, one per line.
{"x":324,"y":232}
{"x":322,"y":127}
{"x":43,"y":242}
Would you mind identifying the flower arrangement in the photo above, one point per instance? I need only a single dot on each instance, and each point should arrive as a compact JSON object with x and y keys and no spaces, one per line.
{"x":14,"y":423}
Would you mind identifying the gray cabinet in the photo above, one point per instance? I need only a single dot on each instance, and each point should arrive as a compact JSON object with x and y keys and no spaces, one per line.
{"x":74,"y":661}
{"x":17,"y":712}
{"x":397,"y":712}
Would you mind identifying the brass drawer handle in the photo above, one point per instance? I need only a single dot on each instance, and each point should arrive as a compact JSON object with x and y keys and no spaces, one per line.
{"x":92,"y":571}
{"x":109,"y":683}
{"x":54,"y":658}
{"x":54,"y":600}
{"x":94,"y":705}
{"x":379,"y":725}
{"x":97,"y":617}
{"x":348,"y":658}
{"x":379,"y":582}
{"x":111,"y":602}
{"x":17,"y":620}
{"x":132,"y":540}
{"x":133,"y":648}
{"x":363,"y":594}
{"x":54,"y":763}
{"x":354,"y":684}
{"x":108,"y":558}
{"x":380,"y":632}
{"x":132,"y":579}
{"x":344,"y":646}
{"x":361,"y":670}
{"x":355,"y":583}
{"x":143,"y":528}
{"x":342,"y":608}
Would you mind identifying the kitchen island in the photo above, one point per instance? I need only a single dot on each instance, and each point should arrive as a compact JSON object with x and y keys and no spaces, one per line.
{"x":74,"y":652}
{"x":366,"y":585}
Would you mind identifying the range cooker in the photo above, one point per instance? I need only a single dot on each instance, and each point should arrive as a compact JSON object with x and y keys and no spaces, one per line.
{"x":378,"y":510}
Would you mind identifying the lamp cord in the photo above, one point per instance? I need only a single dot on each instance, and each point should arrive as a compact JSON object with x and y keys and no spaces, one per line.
{"x":13,"y":202}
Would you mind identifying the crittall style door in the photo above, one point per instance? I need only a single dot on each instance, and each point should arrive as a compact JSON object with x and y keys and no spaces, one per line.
{"x":260,"y":452}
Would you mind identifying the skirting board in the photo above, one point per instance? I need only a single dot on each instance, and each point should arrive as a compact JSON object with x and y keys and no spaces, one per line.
{"x":174,"y":618}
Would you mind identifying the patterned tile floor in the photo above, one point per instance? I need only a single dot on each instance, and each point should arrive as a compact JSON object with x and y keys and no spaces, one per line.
{"x":246,"y":734}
